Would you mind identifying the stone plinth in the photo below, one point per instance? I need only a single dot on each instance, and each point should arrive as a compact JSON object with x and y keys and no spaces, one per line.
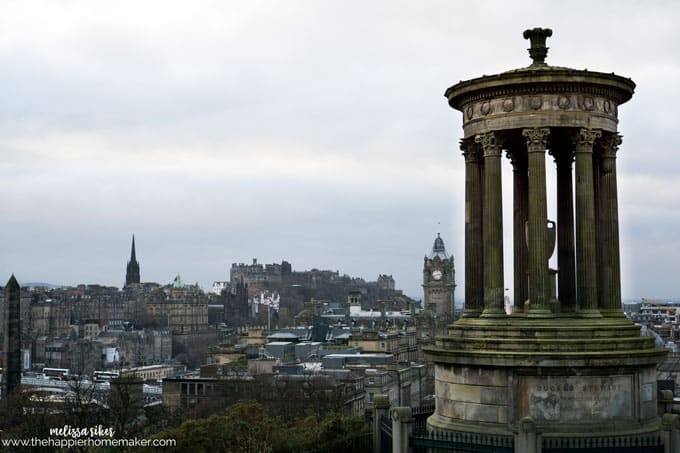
{"x":592,"y":377}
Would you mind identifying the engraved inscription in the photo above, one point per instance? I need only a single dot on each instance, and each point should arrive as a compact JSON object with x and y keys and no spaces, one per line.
{"x":578,"y":399}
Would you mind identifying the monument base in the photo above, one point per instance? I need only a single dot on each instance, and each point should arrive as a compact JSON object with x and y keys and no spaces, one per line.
{"x":594,"y":378}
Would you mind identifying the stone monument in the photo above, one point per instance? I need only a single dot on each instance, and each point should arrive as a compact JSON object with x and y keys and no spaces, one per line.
{"x":570,"y":364}
{"x":11,"y":378}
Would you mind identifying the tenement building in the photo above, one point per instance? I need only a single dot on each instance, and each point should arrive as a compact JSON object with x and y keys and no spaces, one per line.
{"x":566,"y":363}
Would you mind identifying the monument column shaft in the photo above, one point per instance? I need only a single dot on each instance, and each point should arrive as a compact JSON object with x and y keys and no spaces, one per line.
{"x":611,"y":304}
{"x":586,"y":296}
{"x":474,"y":262}
{"x":602,"y":238}
{"x":520,"y":214}
{"x":538,"y":221}
{"x":492,"y":229}
{"x":566,"y":260}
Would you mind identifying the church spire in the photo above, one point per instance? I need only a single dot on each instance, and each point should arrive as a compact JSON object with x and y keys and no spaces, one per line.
{"x":132,"y":274}
{"x":133,"y":255}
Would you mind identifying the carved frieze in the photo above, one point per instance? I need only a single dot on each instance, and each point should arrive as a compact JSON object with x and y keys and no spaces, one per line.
{"x":485,"y":108}
{"x":572,"y":109}
{"x":535,"y":102}
{"x":563,"y":102}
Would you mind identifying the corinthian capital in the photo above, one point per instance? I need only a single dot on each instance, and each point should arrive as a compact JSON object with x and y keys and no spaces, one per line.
{"x":537,"y":138}
{"x":586,"y":138}
{"x":470,"y":150}
{"x":489,"y":144}
{"x":610,"y":144}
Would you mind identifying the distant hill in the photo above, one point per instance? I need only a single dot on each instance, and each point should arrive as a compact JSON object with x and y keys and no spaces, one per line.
{"x":39,"y":284}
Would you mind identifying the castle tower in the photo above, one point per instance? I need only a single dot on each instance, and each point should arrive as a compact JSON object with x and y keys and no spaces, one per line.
{"x":568,"y":365}
{"x":439,"y":280}
{"x":132,"y":274}
{"x":12,"y":338}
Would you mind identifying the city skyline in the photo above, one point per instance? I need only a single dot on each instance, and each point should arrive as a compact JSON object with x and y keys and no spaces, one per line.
{"x":315,"y":133}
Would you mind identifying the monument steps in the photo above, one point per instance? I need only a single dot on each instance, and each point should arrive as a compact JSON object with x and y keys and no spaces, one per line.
{"x":548,"y":344}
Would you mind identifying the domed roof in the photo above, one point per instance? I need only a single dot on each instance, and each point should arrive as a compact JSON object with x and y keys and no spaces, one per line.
{"x":539,"y":74}
{"x":438,"y":249}
{"x":540,"y":95}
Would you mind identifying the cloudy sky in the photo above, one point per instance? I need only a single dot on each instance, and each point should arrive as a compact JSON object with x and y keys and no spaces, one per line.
{"x":312,"y":131}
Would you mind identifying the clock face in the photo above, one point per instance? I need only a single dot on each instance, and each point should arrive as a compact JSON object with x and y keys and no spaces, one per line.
{"x":436,"y":274}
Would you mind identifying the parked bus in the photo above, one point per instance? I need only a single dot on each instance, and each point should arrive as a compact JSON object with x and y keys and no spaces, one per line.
{"x":57,"y":373}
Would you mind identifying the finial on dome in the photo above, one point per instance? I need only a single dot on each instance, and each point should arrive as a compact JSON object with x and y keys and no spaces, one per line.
{"x":538,"y":51}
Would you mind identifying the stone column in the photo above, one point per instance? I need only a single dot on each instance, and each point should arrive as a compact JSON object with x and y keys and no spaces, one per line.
{"x":527,"y":439}
{"x":492,"y":228}
{"x":402,"y":427}
{"x":381,"y":406}
{"x":610,"y":305}
{"x":566,"y":259}
{"x":474,"y":262}
{"x":586,"y":260}
{"x":600,"y":236}
{"x":537,"y":223}
{"x":670,"y":424}
{"x":520,"y":182}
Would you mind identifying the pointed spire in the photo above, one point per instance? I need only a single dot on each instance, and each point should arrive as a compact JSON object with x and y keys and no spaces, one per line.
{"x":132,"y":274}
{"x":133,"y":255}
{"x":12,"y":283}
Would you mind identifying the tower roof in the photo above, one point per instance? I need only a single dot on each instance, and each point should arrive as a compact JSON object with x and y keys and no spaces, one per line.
{"x":540,"y":95}
{"x":438,"y":248}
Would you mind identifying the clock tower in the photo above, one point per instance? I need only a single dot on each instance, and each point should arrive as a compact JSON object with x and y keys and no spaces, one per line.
{"x":439,"y":280}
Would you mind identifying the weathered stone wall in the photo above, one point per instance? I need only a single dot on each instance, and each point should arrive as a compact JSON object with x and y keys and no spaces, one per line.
{"x":495,"y":399}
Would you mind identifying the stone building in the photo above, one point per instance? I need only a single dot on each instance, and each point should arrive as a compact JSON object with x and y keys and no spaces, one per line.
{"x":50,"y":317}
{"x":259,"y":274}
{"x":400,"y":343}
{"x":180,"y":307}
{"x":236,"y":304}
{"x":385,"y":282}
{"x":564,"y":365}
{"x":282,"y":394}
